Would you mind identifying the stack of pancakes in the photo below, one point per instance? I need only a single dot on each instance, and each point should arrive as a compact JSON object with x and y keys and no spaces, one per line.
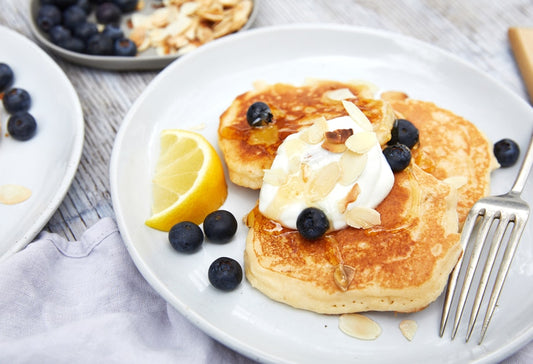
{"x":400,"y":265}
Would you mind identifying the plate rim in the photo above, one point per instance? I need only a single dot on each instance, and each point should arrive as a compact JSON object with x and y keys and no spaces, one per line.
{"x":215,"y":332}
{"x":72,"y":163}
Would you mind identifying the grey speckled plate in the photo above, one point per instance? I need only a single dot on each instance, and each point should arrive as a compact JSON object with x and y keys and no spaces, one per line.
{"x":147,"y":60}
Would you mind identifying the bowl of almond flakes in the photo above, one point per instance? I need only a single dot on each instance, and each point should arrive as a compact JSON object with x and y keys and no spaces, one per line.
{"x":162,"y":30}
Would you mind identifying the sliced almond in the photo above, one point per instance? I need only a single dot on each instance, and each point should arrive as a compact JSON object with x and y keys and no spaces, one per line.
{"x":314,"y":134}
{"x":352,"y":165}
{"x":351,"y":196}
{"x":335,"y":140}
{"x":408,"y":329}
{"x":359,"y":326}
{"x":362,"y":142}
{"x":322,"y":182}
{"x":362,"y":217}
{"x":333,"y":147}
{"x":293,"y":147}
{"x":11,"y":194}
{"x":343,"y":275}
{"x":275,"y":177}
{"x":339,"y":94}
{"x":357,"y":115}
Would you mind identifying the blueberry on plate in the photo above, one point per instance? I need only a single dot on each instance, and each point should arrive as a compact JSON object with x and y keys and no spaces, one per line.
{"x":21,"y":126}
{"x":126,"y":6}
{"x":73,"y":16}
{"x":48,"y":16}
{"x":6,"y":77}
{"x":225,"y":274}
{"x":100,"y":45}
{"x":220,"y":226}
{"x":259,"y":114}
{"x":59,"y":33}
{"x":85,"y":30}
{"x":73,"y":44}
{"x":124,"y":47}
{"x":108,"y":13}
{"x":506,"y":152}
{"x":398,"y":156}
{"x":404,"y":132}
{"x":312,"y":223}
{"x":113,"y":32}
{"x":186,"y":237}
{"x":16,"y":100}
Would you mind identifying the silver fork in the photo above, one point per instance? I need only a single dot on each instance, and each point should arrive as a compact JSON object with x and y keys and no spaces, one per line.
{"x":509,"y":209}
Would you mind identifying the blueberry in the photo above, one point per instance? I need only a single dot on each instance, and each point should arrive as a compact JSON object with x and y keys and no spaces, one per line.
{"x":186,"y":237}
{"x":312,"y":223}
{"x":258,"y":114}
{"x":126,"y":6}
{"x":16,"y":100}
{"x":398,"y":156}
{"x":506,"y":152}
{"x":220,"y":226}
{"x":113,"y":32}
{"x":85,"y":30}
{"x":73,"y":44}
{"x":73,"y":16}
{"x":85,"y":5}
{"x":100,"y":44}
{"x":108,"y":13}
{"x":63,"y":4}
{"x":225,"y":274}
{"x":124,"y":47}
{"x":21,"y":126}
{"x":404,"y":132}
{"x":6,"y":76}
{"x":59,"y":34}
{"x":48,"y":16}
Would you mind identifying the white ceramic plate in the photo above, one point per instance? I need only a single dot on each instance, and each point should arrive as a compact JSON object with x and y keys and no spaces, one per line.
{"x":147,"y":60}
{"x":46,"y":164}
{"x":195,"y":91}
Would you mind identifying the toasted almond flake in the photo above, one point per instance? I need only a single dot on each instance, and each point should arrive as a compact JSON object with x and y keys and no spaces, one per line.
{"x":362,"y":217}
{"x":457,"y":181}
{"x":343,"y":275}
{"x":357,"y":115}
{"x":350,"y":197}
{"x":322,"y":182}
{"x":408,"y":329}
{"x":352,"y":165}
{"x":359,"y":326}
{"x":362,"y":142}
{"x":11,"y":194}
{"x":314,"y":134}
{"x":333,"y":147}
{"x":339,"y":94}
{"x":294,"y":147}
{"x":275,"y":177}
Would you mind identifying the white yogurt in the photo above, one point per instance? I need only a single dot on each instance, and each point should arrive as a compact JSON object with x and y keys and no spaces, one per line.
{"x":375,"y":181}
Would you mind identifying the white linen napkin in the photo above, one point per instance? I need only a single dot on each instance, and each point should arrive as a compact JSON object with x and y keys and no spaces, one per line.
{"x":85,"y":302}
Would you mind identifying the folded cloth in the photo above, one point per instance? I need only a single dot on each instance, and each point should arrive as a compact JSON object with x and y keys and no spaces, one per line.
{"x":85,"y":302}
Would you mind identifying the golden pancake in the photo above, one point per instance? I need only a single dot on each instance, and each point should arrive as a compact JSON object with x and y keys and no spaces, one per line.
{"x":451,"y":148}
{"x":400,"y":265}
{"x":248,"y":151}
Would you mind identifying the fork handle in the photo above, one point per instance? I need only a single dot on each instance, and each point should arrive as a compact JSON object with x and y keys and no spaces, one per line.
{"x":521,"y":179}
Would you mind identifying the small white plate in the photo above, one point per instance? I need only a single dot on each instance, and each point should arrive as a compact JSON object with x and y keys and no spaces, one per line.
{"x":45,"y":164}
{"x":147,"y":60}
{"x":194,"y":91}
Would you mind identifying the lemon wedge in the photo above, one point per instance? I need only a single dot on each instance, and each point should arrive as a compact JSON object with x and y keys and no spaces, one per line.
{"x":188,"y":181}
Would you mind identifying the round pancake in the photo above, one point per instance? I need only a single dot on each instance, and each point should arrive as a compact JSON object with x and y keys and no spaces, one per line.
{"x":400,"y":265}
{"x":249,"y":151}
{"x":451,"y":148}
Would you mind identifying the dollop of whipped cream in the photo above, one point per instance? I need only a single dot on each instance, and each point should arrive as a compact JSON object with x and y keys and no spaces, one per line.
{"x":335,"y":165}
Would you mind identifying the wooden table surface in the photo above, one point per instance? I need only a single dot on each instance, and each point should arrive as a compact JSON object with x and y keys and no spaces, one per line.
{"x":475,"y":30}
